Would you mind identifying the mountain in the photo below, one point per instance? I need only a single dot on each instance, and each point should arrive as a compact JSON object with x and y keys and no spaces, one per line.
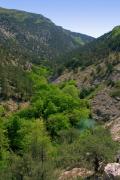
{"x":27,"y":38}
{"x":36,"y":37}
{"x":96,"y":50}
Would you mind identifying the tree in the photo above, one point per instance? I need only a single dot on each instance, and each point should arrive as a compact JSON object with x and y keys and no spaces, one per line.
{"x":71,"y":89}
{"x":56,"y":123}
{"x":96,"y":146}
{"x":51,"y":109}
{"x":15,"y":138}
{"x":37,"y":161}
{"x":88,"y":150}
{"x":4,"y":146}
{"x":78,"y":116}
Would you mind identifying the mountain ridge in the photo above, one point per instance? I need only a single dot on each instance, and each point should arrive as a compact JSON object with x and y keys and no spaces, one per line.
{"x":94,"y":51}
{"x":26,"y":39}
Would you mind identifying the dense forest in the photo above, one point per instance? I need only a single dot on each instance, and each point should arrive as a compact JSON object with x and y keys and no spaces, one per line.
{"x":54,"y":132}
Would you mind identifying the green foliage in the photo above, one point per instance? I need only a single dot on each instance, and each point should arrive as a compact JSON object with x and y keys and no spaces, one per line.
{"x":96,"y":52}
{"x":36,"y":39}
{"x":51,"y":109}
{"x":2,"y":111}
{"x":117,"y":84}
{"x":54,"y":132}
{"x":4,"y":146}
{"x":56,"y":123}
{"x":116,"y":90}
{"x":14,"y":83}
{"x":70,"y":88}
{"x":116,"y":31}
{"x":68,"y":136}
{"x":110,"y":68}
{"x":99,"y":144}
{"x":78,"y":116}
{"x":115,"y":93}
{"x":88,"y":150}
{"x":14,"y":135}
{"x":36,"y":162}
{"x":86,"y":92}
{"x":54,"y":103}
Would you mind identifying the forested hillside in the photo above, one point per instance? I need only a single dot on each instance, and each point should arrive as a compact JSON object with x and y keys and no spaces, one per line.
{"x":53,"y":133}
{"x":27,"y":38}
{"x":96,"y":51}
{"x":36,"y":36}
{"x":96,"y":69}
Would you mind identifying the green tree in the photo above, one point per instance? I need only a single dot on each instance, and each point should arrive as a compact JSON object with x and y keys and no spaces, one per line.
{"x":4,"y":146}
{"x":37,"y":161}
{"x":56,"y":123}
{"x":88,"y":150}
{"x":78,"y":116}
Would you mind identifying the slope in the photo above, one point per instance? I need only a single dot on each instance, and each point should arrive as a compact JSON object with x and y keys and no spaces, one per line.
{"x":36,"y":36}
{"x":26,"y":39}
{"x":96,"y":68}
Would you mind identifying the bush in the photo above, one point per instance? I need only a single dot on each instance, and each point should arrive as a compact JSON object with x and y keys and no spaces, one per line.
{"x":85,"y":92}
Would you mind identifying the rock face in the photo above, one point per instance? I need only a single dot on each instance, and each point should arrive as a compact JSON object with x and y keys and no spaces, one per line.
{"x":74,"y":173}
{"x":112,"y":170}
{"x":83,"y":78}
{"x":13,"y":106}
{"x":114,"y":127}
{"x":104,"y":107}
{"x":115,"y":76}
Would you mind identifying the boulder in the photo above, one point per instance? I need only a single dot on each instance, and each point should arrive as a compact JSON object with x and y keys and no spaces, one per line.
{"x":112,"y":170}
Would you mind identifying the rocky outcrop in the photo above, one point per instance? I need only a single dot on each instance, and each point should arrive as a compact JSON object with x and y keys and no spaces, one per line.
{"x":74,"y":173}
{"x":112,"y":170}
{"x":114,"y":127}
{"x":83,"y":78}
{"x":115,"y":76}
{"x":104,"y":107}
{"x":13,"y":106}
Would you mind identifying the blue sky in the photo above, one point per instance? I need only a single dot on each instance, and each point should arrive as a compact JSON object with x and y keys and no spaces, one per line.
{"x":92,"y":17}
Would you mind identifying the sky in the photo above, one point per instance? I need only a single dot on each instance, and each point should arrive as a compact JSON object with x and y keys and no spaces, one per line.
{"x":92,"y":17}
